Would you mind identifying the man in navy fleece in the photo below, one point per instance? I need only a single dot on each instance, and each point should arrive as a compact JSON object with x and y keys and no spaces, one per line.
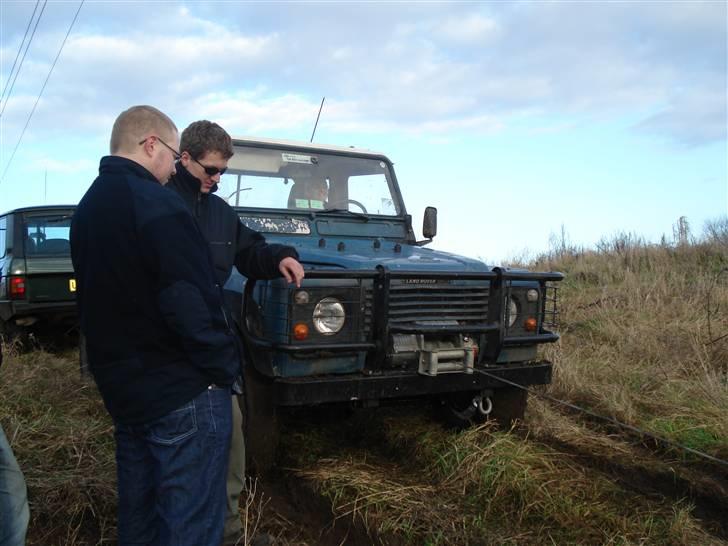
{"x":159,"y":346}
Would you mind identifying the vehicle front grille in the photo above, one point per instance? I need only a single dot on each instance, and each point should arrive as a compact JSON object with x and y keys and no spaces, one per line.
{"x":438,"y":302}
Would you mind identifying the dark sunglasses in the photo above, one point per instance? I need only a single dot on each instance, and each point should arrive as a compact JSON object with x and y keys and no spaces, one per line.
{"x":210,"y":171}
{"x":176,"y":154}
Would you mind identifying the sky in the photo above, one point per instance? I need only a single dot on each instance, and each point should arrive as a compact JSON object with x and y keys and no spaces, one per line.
{"x":519,"y":121}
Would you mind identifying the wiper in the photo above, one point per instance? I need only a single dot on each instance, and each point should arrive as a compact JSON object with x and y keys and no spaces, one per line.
{"x":58,"y":219}
{"x":347,"y":211}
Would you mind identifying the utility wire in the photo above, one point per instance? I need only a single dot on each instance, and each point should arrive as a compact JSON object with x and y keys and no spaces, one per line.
{"x":41,"y":90}
{"x":640,"y":432}
{"x":27,"y":46}
{"x":20,"y":48}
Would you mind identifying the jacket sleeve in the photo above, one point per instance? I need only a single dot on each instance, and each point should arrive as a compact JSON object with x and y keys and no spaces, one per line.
{"x":255,"y":258}
{"x":187,"y":295}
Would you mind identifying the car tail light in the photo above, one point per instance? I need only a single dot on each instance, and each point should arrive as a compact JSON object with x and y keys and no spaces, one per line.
{"x":17,"y":288}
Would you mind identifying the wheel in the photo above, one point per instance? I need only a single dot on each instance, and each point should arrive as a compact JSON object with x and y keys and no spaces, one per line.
{"x":509,"y":405}
{"x":15,"y":336}
{"x":261,"y":421}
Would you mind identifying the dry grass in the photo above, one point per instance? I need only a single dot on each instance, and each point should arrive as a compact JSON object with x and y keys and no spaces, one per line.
{"x":62,"y":438}
{"x":645,"y":340}
{"x":419,"y":484}
{"x":645,"y":337}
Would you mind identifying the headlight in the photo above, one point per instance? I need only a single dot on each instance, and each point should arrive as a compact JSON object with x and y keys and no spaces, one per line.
{"x":512,"y":312}
{"x":328,"y":316}
{"x":532,"y":295}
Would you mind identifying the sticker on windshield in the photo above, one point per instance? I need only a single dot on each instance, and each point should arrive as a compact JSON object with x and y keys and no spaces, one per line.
{"x":297,"y":158}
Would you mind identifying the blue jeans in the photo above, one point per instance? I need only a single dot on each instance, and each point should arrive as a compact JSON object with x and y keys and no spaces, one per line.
{"x":14,"y":512}
{"x":171,"y":474}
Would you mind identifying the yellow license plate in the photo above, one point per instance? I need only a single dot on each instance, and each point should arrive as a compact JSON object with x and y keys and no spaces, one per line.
{"x":72,"y":285}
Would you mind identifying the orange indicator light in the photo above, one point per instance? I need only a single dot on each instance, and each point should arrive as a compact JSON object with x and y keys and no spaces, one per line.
{"x":300,"y":331}
{"x":530,"y":324}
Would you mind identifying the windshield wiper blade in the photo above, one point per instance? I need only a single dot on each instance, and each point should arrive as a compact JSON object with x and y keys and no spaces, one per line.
{"x":357,"y":214}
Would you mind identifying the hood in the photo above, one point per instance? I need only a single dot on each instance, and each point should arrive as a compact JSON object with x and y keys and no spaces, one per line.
{"x":362,"y":254}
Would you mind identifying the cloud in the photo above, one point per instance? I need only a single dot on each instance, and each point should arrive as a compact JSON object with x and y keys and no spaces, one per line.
{"x":411,"y":67}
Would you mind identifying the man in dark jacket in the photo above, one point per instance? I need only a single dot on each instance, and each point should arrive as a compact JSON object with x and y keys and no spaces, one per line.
{"x":157,"y":340}
{"x":205,"y":149}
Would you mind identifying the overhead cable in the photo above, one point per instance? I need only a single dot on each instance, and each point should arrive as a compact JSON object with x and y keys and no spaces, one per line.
{"x":41,"y":91}
{"x":20,"y":48}
{"x":27,"y":46}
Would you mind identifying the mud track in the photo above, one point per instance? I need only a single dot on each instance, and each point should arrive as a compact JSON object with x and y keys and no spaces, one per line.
{"x":653,"y":470}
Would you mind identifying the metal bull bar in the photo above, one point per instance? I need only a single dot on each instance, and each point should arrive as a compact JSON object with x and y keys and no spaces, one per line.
{"x":493,"y":329}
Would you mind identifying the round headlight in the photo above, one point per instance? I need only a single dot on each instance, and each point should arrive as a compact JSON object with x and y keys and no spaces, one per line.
{"x":328,"y":316}
{"x":532,"y":295}
{"x":512,"y":312}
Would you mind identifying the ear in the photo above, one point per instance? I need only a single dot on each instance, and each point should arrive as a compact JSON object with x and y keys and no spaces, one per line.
{"x":148,"y":146}
{"x":185,"y":158}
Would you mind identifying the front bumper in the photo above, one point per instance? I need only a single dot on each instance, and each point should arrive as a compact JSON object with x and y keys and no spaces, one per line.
{"x":302,"y":391}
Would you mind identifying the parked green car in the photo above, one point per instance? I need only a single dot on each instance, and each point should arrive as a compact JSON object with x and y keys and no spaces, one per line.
{"x":37,"y":284}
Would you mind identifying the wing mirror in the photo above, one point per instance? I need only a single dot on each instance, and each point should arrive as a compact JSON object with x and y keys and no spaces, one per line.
{"x":429,"y":223}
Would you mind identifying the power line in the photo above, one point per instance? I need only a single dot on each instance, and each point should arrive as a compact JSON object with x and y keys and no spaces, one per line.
{"x":41,"y":90}
{"x":27,"y":46}
{"x":20,"y":48}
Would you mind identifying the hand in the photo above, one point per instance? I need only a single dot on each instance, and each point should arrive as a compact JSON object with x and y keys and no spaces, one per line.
{"x":291,"y":270}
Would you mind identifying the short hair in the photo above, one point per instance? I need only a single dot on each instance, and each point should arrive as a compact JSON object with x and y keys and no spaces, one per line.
{"x":135,"y":123}
{"x":203,"y":137}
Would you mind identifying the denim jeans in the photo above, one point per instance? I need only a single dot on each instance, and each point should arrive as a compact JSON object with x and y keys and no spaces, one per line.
{"x":14,"y":512}
{"x":171,"y":474}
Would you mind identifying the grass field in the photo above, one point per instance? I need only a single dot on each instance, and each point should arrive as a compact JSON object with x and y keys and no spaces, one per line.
{"x":645,"y":341}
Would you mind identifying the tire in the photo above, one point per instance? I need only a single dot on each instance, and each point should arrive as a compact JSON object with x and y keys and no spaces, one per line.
{"x":261,"y":422}
{"x":509,"y":406}
{"x":15,"y":336}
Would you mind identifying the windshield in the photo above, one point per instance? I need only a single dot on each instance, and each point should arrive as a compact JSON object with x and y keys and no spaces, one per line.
{"x":304,"y":181}
{"x":48,"y":234}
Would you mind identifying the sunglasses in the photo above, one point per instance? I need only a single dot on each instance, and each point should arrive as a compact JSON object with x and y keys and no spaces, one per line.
{"x":176,"y":154}
{"x":210,"y":171}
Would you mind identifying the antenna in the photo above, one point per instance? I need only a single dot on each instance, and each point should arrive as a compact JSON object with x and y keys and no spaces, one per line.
{"x":317,"y":118}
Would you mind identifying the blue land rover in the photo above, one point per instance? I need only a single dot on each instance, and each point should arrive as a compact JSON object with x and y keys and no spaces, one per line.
{"x":379,"y":316}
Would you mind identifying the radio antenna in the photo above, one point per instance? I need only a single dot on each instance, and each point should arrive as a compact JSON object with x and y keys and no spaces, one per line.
{"x":317,"y":118}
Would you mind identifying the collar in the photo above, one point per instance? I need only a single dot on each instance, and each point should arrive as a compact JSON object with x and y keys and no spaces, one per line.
{"x":114,"y":162}
{"x":190,"y":182}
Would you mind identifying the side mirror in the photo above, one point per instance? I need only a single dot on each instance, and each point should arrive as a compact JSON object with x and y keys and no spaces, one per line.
{"x":429,"y":223}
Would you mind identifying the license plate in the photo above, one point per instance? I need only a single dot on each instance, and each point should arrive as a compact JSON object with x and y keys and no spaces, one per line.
{"x":72,"y":285}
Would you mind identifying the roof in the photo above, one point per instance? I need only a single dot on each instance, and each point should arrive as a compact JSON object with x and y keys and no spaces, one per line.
{"x":245,"y":140}
{"x":40,"y":208}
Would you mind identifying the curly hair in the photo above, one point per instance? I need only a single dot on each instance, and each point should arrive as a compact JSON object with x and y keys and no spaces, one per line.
{"x":202,"y":137}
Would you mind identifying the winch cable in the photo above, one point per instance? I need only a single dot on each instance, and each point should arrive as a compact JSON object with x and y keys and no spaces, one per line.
{"x":640,"y":432}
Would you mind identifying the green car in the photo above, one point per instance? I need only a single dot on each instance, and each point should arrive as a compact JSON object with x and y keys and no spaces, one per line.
{"x":37,"y":284}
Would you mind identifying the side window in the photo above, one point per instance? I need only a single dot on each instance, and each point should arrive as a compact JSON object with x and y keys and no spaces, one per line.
{"x":3,"y":235}
{"x":370,"y":193}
